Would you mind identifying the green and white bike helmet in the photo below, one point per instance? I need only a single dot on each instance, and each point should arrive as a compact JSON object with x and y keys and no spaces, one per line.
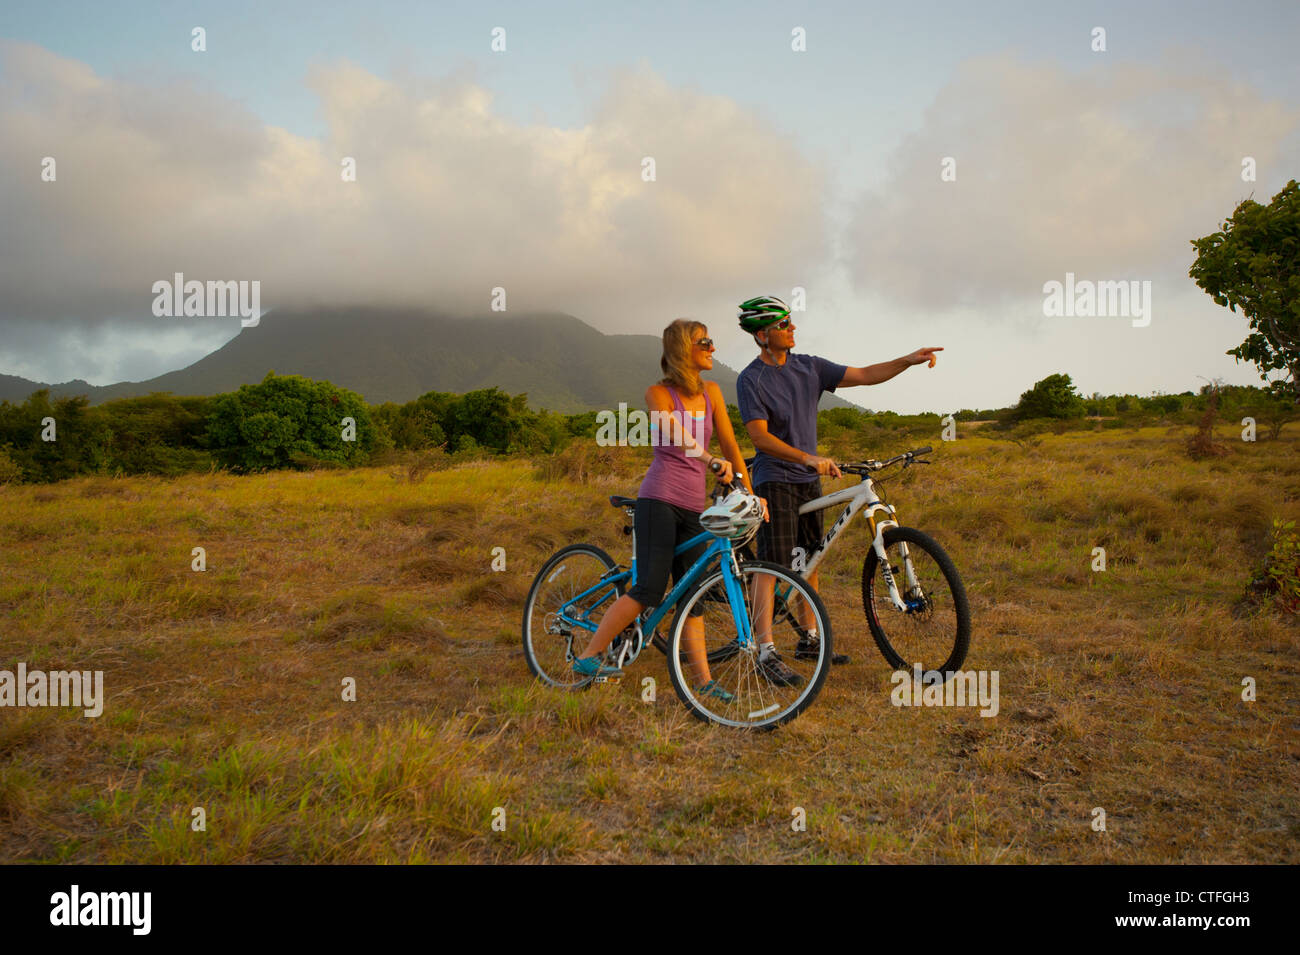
{"x":736,"y":516}
{"x":758,"y":313}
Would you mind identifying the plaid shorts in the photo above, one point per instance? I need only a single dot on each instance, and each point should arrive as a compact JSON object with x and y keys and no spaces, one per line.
{"x":788,"y":529}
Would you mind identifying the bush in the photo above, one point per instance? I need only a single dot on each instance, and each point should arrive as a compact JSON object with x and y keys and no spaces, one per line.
{"x":288,"y":421}
{"x":1270,"y":415}
{"x":487,"y":420}
{"x":1025,"y":436}
{"x":846,"y":418}
{"x":157,"y":434}
{"x":418,"y":465}
{"x":580,"y":462}
{"x":10,"y":472}
{"x":1053,"y":397}
{"x":584,"y":425}
{"x":1201,"y":443}
{"x":1278,"y":580}
{"x":80,"y":444}
{"x":1163,"y":404}
{"x":737,"y":423}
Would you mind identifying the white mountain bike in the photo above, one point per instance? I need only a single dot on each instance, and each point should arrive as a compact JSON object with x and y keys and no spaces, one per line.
{"x":912,"y":594}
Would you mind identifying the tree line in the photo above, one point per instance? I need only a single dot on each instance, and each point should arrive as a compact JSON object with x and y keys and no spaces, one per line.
{"x":285,"y":421}
{"x":288,"y":421}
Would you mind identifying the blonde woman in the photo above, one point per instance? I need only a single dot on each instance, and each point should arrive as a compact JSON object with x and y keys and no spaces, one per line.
{"x":673,"y":493}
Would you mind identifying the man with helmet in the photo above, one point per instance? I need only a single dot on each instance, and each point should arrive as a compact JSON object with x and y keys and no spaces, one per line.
{"x":778,"y":394}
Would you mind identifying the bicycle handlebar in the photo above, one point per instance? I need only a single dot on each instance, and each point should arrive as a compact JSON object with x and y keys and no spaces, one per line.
{"x":862,"y":467}
{"x":907,"y":457}
{"x":722,"y":488}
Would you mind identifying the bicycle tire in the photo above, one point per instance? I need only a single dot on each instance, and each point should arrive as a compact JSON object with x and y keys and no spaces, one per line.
{"x":940,"y":627}
{"x":550,"y":654}
{"x":758,"y":704}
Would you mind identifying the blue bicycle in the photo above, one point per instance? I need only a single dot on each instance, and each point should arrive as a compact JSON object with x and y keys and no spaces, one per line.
{"x":744,"y":604}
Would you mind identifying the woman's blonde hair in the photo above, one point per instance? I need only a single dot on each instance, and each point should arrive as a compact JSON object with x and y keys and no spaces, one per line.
{"x":679,"y":371}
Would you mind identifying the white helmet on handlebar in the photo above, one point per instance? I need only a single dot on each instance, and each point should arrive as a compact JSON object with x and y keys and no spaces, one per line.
{"x":736,"y":516}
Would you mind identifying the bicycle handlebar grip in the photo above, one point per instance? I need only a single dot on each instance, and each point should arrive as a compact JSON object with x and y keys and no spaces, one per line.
{"x":926,"y":450}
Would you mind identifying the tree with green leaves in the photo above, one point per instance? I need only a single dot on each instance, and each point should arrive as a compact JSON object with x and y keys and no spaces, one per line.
{"x":1253,"y":265}
{"x":157,"y":434}
{"x":78,"y":437}
{"x":1053,"y":397}
{"x":288,"y":420}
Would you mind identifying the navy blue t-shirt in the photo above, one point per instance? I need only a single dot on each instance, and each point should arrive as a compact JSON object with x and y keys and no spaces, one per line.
{"x":786,"y":397}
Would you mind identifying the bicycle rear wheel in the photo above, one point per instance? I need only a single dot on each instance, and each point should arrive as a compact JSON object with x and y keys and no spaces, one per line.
{"x":934,"y":630}
{"x":551,"y":642}
{"x":758,"y":702}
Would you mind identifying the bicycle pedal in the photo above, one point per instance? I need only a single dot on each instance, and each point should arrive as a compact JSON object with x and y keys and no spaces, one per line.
{"x":614,"y":680}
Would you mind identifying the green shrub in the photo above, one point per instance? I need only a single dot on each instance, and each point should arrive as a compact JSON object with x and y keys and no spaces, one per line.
{"x":10,"y":472}
{"x":288,"y":419}
{"x":157,"y":434}
{"x":1279,"y":579}
{"x":1053,"y":397}
{"x":81,"y":437}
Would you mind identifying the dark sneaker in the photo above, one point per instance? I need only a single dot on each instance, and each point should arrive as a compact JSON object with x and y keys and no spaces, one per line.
{"x":776,"y":671}
{"x":591,"y":666}
{"x":718,"y":693}
{"x":809,"y":648}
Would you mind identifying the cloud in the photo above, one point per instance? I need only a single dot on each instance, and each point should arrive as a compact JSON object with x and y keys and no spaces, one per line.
{"x":451,"y":200}
{"x":1108,"y":173}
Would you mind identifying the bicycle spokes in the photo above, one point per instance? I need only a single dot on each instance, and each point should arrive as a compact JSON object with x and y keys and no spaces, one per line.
{"x":932,"y":625}
{"x":732,"y":682}
{"x":569,"y":596}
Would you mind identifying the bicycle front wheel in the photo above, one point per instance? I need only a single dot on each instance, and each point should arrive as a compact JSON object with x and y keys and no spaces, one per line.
{"x":566,"y":590}
{"x":934,"y":630}
{"x":722,"y":681}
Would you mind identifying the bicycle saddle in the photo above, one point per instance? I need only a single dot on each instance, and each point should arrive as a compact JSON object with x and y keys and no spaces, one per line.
{"x":617,"y":501}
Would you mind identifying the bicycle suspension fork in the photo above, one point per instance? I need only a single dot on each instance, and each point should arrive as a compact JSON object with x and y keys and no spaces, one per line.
{"x":882,"y":557}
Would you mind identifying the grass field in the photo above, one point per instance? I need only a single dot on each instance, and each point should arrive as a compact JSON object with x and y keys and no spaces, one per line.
{"x":1119,"y":690}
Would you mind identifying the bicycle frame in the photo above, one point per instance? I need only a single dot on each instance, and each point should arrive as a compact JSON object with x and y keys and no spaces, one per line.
{"x":719,"y":550}
{"x":861,"y":496}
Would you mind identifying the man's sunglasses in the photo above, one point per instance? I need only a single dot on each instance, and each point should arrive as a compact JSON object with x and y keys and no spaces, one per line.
{"x":782,"y":325}
{"x":704,"y":343}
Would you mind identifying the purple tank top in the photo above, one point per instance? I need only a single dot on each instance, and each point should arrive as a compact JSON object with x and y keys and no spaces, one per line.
{"x":674,"y":476}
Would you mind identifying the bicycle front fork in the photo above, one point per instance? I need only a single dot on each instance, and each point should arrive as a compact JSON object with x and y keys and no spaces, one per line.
{"x":733,"y":583}
{"x":909,"y":572}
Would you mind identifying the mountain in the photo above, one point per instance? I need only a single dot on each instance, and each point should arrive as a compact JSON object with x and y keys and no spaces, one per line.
{"x":562,"y":363}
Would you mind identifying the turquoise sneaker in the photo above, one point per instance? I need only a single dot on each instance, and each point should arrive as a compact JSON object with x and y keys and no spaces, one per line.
{"x":718,"y":693}
{"x":591,"y":666}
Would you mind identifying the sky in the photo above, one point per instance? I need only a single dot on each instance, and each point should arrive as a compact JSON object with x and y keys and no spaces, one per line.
{"x":919,"y":171}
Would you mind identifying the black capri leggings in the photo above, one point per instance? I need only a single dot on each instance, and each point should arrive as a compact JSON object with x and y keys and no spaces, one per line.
{"x":660,"y":527}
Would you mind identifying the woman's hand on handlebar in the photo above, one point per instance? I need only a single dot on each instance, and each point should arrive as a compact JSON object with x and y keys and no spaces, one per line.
{"x":724,"y":472}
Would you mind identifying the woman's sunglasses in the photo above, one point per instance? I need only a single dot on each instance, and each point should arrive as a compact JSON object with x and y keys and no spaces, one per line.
{"x":704,"y":343}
